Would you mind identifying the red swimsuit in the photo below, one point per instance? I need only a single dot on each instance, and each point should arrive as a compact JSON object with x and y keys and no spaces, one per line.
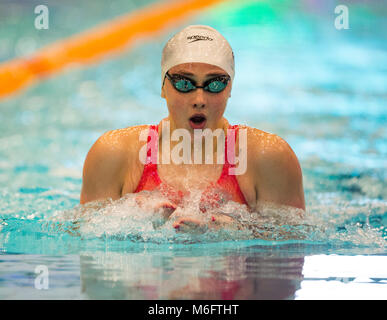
{"x":225,"y":189}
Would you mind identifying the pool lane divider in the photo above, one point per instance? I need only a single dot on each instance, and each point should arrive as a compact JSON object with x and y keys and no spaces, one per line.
{"x":98,"y":43}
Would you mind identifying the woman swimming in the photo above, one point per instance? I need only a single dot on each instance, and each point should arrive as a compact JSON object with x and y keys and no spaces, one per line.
{"x":197,"y":75}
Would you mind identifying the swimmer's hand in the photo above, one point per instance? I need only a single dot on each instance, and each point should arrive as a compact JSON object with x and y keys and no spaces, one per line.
{"x":188,"y":224}
{"x":162,"y":209}
{"x":214,"y":221}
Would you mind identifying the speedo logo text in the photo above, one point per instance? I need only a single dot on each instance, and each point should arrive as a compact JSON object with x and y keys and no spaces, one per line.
{"x":197,"y":37}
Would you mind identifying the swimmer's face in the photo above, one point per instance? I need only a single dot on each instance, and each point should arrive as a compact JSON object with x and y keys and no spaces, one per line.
{"x":182,"y":106}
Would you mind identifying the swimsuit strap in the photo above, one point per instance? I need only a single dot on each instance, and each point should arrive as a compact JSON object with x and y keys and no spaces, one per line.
{"x":229,"y":149}
{"x":150,"y":178}
{"x":152,"y":145}
{"x":228,"y":178}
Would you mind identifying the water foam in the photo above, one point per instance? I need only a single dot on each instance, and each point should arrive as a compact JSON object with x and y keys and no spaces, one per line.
{"x":123,"y":219}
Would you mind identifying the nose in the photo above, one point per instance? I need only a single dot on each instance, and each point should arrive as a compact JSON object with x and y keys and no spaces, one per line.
{"x":199,"y":100}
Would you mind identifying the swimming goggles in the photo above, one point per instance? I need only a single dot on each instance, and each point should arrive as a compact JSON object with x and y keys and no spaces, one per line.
{"x":183,"y":84}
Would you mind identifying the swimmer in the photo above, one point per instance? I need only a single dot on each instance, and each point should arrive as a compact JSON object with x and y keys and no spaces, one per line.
{"x":197,"y":73}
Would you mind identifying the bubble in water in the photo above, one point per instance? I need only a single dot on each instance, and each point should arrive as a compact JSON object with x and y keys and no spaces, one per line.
{"x":129,"y":218}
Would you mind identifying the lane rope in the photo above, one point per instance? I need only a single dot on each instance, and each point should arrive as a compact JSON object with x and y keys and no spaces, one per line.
{"x":96,"y":44}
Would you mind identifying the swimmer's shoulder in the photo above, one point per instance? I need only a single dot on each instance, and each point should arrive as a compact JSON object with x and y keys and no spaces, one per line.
{"x":275,"y":167}
{"x":122,"y":140}
{"x":269,"y":151}
{"x":260,"y":142}
{"x":107,"y":162}
{"x":128,"y":137}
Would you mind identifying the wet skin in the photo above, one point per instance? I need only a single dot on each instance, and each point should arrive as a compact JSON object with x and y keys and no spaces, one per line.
{"x":112,"y":167}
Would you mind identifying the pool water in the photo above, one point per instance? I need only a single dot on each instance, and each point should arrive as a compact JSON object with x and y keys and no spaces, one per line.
{"x":323,"y":90}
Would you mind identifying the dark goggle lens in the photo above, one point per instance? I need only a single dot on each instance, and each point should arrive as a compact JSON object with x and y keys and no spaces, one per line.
{"x":184,"y":85}
{"x":214,"y":86}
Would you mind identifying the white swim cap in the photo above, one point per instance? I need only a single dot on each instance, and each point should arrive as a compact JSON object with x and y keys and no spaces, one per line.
{"x":198,"y":43}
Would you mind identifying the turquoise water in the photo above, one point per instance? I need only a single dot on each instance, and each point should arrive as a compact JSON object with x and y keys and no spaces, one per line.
{"x":321,"y":89}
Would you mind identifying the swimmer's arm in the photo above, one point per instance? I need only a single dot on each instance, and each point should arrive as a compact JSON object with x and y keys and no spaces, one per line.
{"x":103,"y":170}
{"x":277,"y":174}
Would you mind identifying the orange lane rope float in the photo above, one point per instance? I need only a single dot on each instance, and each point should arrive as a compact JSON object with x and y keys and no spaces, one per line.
{"x":97,"y":43}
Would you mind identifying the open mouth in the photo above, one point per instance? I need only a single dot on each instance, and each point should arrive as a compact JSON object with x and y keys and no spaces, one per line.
{"x":197,"y":121}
